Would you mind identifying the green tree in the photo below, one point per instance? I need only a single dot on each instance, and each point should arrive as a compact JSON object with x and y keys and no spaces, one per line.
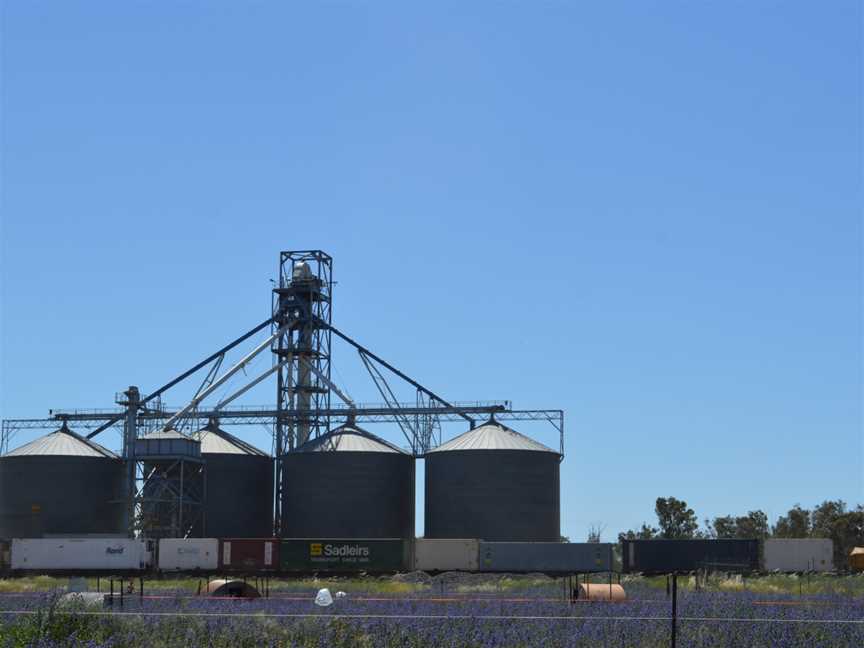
{"x":795,"y":524}
{"x":722,"y":527}
{"x":644,"y":533}
{"x":595,"y":533}
{"x":831,"y":519}
{"x":825,"y":516}
{"x":847,"y":533}
{"x":675,"y":518}
{"x":752,"y":525}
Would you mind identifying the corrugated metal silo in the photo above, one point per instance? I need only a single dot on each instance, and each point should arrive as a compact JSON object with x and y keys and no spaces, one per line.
{"x":239,"y":499}
{"x":494,"y":484}
{"x":348,"y":483}
{"x":60,"y":484}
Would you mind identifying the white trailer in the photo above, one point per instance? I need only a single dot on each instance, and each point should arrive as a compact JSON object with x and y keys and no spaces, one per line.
{"x":179,"y":554}
{"x":446,"y":554}
{"x":799,"y":555}
{"x":80,"y":553}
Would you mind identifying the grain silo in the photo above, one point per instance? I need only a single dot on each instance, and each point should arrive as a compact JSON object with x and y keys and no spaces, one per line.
{"x":60,"y":484}
{"x":494,"y":484}
{"x":348,"y":483}
{"x":239,"y":494}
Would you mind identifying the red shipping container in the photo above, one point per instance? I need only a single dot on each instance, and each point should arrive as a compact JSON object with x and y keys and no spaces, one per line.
{"x":249,"y":554}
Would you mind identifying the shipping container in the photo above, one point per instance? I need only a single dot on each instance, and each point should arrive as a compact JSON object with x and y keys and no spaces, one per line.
{"x":249,"y":554}
{"x":667,"y":556}
{"x":550,"y":557}
{"x":345,"y":555}
{"x":188,"y":554}
{"x":446,"y":555}
{"x":799,"y":555}
{"x":5,"y":554}
{"x":80,"y":553}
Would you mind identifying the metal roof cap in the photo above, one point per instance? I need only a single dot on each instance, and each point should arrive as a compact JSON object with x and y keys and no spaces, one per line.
{"x":492,"y":435}
{"x":62,"y":443}
{"x":215,"y":440}
{"x":349,"y":438}
{"x":168,"y":434}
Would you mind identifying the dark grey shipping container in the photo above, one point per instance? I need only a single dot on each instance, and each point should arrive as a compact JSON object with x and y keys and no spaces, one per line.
{"x":549,"y":557}
{"x":666,"y":556}
{"x":60,"y":484}
{"x":348,"y":483}
{"x":494,"y":484}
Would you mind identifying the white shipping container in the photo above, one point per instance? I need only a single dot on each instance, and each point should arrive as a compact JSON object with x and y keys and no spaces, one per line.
{"x":799,"y":554}
{"x":188,"y":554}
{"x":446,"y":554}
{"x":80,"y":553}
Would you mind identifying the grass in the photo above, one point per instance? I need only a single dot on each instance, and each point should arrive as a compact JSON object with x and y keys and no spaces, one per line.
{"x":814,"y":584}
{"x":849,"y":585}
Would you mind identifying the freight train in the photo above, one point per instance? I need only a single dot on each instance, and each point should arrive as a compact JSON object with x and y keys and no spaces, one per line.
{"x":307,"y":555}
{"x":353,"y":556}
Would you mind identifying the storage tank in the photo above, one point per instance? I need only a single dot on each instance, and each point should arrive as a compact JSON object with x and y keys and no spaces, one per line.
{"x":348,"y":483}
{"x":239,"y":492}
{"x":60,"y":484}
{"x":173,"y":485}
{"x":494,"y":484}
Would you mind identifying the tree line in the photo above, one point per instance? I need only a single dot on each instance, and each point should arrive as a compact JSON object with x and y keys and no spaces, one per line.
{"x":831,"y":519}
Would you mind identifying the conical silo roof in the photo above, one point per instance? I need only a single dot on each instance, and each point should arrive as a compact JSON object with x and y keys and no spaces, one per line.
{"x":168,"y":434}
{"x":349,"y":438}
{"x":492,"y":435}
{"x":62,"y":443}
{"x":214,"y":440}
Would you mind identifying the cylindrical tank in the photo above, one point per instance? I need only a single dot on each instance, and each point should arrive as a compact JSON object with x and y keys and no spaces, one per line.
{"x":60,"y":484}
{"x":173,"y":484}
{"x":494,"y":484}
{"x":239,"y":498}
{"x":348,"y":483}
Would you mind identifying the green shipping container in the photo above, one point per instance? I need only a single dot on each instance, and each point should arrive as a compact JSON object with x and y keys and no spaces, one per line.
{"x":344,"y":555}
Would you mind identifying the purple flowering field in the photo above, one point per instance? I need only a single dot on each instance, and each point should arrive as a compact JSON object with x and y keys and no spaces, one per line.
{"x":530,"y":617}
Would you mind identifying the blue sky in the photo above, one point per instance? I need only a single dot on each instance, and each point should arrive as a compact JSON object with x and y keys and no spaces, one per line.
{"x":647,"y":214}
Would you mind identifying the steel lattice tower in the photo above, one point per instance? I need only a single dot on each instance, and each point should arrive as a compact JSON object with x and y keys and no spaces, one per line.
{"x":302,"y":311}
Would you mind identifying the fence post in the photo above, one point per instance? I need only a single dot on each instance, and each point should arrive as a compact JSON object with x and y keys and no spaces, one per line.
{"x":674,"y":609}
